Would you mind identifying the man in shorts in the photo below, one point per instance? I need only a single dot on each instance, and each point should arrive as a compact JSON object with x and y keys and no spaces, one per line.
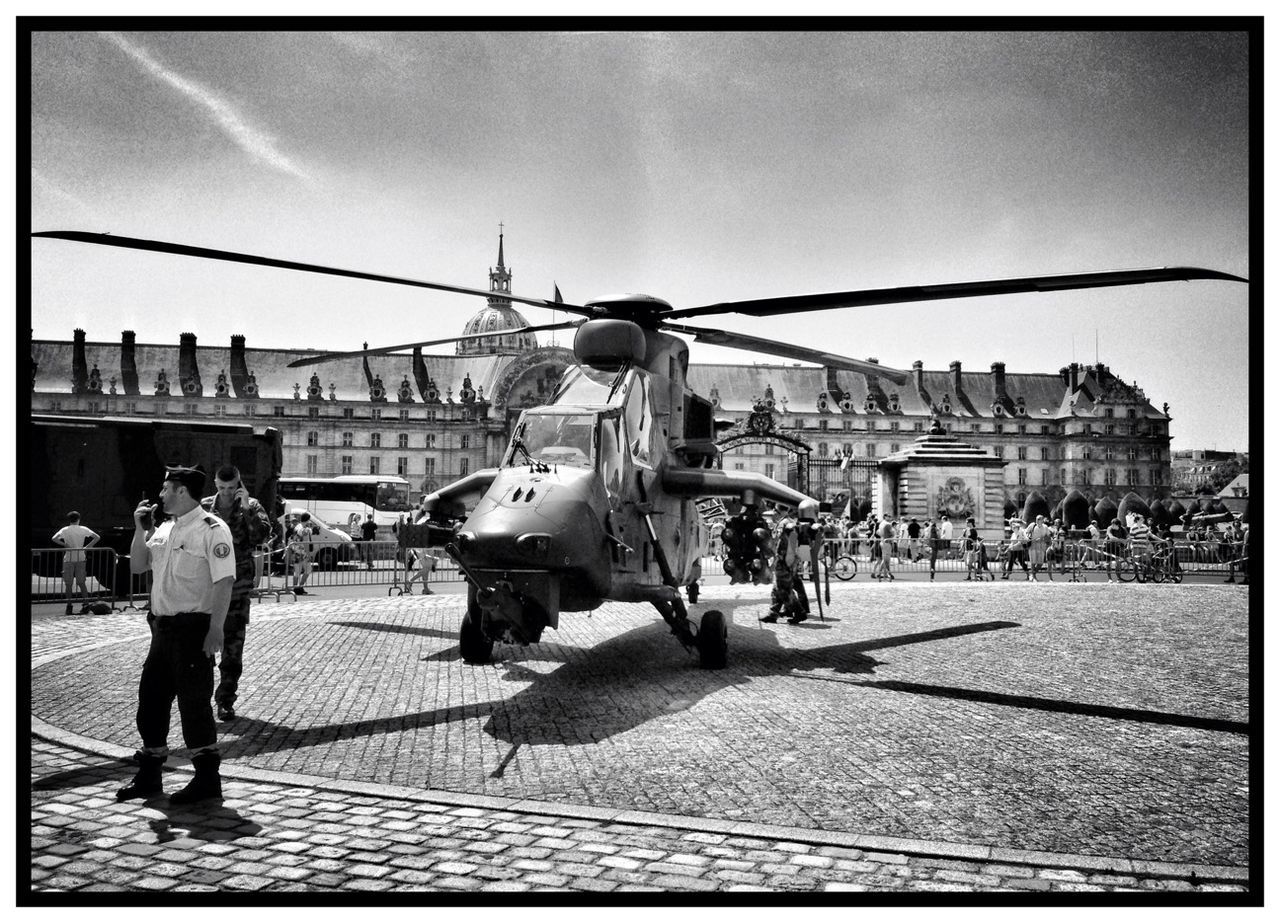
{"x":75,"y":538}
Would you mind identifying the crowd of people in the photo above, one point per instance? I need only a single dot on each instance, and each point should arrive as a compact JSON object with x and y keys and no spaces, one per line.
{"x":1031,"y":548}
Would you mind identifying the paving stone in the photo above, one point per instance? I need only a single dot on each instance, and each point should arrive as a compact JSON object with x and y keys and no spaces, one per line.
{"x":1142,"y":813}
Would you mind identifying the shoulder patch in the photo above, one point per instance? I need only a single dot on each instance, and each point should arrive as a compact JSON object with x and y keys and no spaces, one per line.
{"x":221,"y":550}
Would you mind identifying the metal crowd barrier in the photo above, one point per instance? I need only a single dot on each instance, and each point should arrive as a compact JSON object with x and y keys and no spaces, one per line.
{"x":1073,"y":557}
{"x":345,"y":564}
{"x":105,"y":574}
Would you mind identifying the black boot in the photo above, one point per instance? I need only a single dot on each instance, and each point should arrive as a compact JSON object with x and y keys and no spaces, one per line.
{"x":146,"y":782}
{"x":206,"y":784}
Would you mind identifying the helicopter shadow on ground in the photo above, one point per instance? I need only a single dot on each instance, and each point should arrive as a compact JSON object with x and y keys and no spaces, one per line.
{"x":449,"y":654}
{"x":591,"y":694}
{"x":640,"y":675}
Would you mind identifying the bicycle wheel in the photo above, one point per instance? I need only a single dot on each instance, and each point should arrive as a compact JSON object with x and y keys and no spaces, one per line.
{"x":1174,"y":576}
{"x":1156,"y":573}
{"x":846,"y":567}
{"x":1125,"y":571}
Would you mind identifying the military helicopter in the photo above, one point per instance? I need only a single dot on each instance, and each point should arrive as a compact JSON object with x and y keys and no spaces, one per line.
{"x":595,"y":497}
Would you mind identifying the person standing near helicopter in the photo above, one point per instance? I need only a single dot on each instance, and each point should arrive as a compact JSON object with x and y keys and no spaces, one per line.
{"x":788,"y":597}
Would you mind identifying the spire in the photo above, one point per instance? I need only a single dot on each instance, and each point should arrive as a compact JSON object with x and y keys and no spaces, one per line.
{"x":500,"y":277}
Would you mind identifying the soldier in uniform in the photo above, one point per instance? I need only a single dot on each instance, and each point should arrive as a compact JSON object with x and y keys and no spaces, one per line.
{"x":249,"y":528}
{"x":788,"y":597}
{"x":193,"y":568}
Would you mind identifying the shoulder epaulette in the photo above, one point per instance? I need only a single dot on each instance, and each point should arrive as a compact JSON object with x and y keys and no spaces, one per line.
{"x":212,"y":522}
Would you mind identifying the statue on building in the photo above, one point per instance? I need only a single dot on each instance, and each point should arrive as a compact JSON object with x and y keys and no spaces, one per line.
{"x":95,"y":380}
{"x":405,"y":395}
{"x":333,"y":391}
{"x":113,"y":384}
{"x":251,"y":387}
{"x":714,"y":396}
{"x":480,"y":394}
{"x":448,"y":396}
{"x":1166,"y":409}
{"x":297,"y":391}
{"x":468,"y":394}
{"x":432,"y":394}
{"x":162,"y":384}
{"x":314,"y":391}
{"x":221,"y":389}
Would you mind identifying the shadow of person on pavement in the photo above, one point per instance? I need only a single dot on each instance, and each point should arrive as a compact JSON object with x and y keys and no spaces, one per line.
{"x":211,"y":821}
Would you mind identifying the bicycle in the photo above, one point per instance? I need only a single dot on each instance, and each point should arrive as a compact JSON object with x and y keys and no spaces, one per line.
{"x":845,"y":568}
{"x":1156,"y":567}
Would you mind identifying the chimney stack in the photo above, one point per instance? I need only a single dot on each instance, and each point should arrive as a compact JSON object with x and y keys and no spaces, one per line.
{"x":239,"y":370}
{"x":917,"y":373}
{"x":188,"y":371}
{"x":128,"y":363}
{"x":997,"y":379}
{"x":1075,"y":377}
{"x":955,"y":380}
{"x":79,"y":365}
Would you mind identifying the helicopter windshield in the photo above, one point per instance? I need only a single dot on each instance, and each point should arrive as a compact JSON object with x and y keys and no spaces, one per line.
{"x":583,"y":385}
{"x":554,"y":439}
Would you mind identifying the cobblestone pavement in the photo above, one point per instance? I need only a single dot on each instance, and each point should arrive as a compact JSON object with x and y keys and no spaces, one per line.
{"x":1052,"y":737}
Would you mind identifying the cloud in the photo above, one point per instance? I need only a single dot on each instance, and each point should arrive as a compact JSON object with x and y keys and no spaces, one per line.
{"x":254,"y":142}
{"x":50,"y":188}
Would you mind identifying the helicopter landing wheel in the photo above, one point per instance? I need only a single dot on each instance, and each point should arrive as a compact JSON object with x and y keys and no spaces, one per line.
{"x":713,"y":640}
{"x":472,"y":643}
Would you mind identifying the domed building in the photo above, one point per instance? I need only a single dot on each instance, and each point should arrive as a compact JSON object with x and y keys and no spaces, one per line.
{"x":496,"y":317}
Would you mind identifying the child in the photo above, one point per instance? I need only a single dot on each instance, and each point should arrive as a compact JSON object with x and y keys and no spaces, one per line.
{"x":982,"y":561}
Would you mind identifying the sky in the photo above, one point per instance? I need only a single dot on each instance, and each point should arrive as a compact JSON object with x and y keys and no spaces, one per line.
{"x":696,"y":167}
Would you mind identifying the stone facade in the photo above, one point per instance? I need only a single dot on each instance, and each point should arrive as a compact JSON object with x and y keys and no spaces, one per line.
{"x":433,"y":419}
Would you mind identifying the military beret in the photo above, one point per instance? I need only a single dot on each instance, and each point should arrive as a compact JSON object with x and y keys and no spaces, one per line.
{"x":190,"y":478}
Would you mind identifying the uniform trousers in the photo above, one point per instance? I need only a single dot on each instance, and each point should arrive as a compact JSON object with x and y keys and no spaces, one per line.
{"x":231,"y":663}
{"x":177,"y":667}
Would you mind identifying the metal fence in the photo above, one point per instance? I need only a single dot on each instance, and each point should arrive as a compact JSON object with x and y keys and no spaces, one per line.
{"x":1191,"y":557}
{"x":78,"y":577}
{"x":106,"y":576}
{"x":346,"y":564}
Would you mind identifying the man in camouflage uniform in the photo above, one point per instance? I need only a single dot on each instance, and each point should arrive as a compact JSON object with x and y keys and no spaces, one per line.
{"x":249,"y":528}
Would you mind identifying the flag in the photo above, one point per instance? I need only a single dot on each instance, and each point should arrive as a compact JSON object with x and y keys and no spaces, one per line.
{"x":557,"y":297}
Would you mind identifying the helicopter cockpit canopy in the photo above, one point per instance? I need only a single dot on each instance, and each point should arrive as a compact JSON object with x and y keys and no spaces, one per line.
{"x":554,"y":437}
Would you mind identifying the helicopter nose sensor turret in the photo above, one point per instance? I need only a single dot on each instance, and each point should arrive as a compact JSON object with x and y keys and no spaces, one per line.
{"x":535,"y":544}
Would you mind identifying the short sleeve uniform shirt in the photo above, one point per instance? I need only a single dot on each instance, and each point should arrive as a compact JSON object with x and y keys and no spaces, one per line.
{"x":189,"y":555}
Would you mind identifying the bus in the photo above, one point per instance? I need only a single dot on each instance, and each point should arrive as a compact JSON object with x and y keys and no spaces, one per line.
{"x":347,"y":500}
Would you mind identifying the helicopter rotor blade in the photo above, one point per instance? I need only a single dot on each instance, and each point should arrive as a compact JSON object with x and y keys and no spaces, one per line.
{"x":787,"y":351}
{"x":160,"y":246}
{"x":789,"y":304}
{"x":385,"y":350}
